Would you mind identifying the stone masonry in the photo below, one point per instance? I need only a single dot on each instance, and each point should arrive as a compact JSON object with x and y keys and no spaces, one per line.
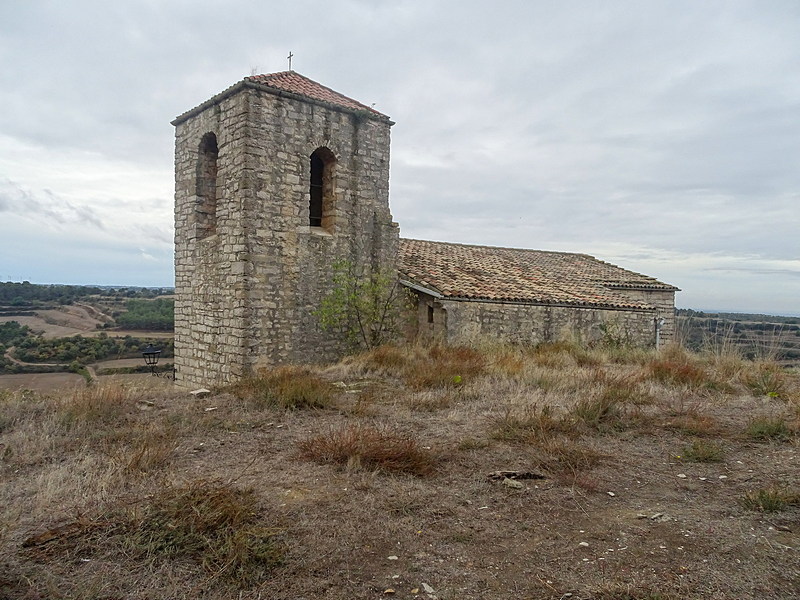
{"x":530,"y":324}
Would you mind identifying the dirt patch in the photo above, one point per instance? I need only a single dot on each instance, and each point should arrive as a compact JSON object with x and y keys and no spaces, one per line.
{"x":640,"y":521}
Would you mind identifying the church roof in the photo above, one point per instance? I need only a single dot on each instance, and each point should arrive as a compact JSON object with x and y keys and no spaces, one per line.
{"x":466,"y":272}
{"x":291,"y":84}
{"x":290,"y":81}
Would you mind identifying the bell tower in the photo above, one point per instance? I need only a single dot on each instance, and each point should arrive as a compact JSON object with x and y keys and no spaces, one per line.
{"x":276,"y":179}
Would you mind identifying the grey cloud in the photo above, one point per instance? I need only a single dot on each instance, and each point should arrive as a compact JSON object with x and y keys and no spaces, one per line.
{"x":47,"y":205}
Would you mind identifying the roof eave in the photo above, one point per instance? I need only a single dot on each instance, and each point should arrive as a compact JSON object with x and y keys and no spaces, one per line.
{"x":420,"y":288}
{"x":654,"y":287}
{"x":440,"y":296}
{"x":593,"y":305}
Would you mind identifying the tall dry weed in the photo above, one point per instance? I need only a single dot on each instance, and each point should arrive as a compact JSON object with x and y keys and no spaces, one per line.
{"x":289,"y":388}
{"x":369,"y":447}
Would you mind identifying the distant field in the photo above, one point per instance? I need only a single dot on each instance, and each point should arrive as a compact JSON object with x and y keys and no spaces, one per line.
{"x":42,"y":382}
{"x":67,"y":321}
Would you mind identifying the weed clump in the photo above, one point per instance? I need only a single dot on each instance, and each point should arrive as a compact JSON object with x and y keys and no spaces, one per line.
{"x":618,"y":591}
{"x":445,"y":366}
{"x":431,"y":367}
{"x":214,"y":524}
{"x":766,"y":379}
{"x":216,"y":527}
{"x":692,"y":422}
{"x":703,"y":451}
{"x":287,"y":387}
{"x":598,"y":413}
{"x":769,"y":500}
{"x":369,"y":447}
{"x":677,"y":372}
{"x":567,"y":457}
{"x":528,"y":424}
{"x":765,"y":429}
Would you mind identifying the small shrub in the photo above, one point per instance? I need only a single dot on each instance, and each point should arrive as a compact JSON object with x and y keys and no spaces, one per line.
{"x":677,"y":372}
{"x":214,"y":524}
{"x":288,"y":387}
{"x":766,"y":379}
{"x":598,"y":413}
{"x":703,"y":451}
{"x":369,"y":447}
{"x":765,"y":429}
{"x":769,"y":500}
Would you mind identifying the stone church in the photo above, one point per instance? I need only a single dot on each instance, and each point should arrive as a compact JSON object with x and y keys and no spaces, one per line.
{"x":279,"y":177}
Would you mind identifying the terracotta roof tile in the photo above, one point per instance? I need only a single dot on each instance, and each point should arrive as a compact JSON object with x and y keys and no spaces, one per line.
{"x":519,"y":275}
{"x":289,"y":81}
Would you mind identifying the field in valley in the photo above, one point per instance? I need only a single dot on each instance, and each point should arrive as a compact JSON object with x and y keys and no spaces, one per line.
{"x":450,"y":473}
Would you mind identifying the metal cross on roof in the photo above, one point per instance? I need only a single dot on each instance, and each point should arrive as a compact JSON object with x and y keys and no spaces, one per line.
{"x":290,"y":59}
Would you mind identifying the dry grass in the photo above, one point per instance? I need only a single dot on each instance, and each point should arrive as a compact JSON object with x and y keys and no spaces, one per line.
{"x":527,"y":423}
{"x":566,"y":457}
{"x":313,"y":503}
{"x":369,"y":447}
{"x":424,"y":367}
{"x":563,"y":354}
{"x":216,"y":525}
{"x":288,"y":388}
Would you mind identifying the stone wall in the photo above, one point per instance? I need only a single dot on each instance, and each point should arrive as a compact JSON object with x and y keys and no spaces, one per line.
{"x":664,"y":303}
{"x":459,"y":321}
{"x":246,"y":296}
{"x":210,"y":298}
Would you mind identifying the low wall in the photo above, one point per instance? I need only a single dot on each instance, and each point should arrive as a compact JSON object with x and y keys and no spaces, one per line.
{"x":460,"y":321}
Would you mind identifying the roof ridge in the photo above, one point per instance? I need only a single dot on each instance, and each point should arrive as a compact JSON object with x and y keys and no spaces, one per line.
{"x":489,"y":247}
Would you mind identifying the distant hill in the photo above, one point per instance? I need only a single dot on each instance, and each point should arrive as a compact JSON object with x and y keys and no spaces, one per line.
{"x":751,"y":335}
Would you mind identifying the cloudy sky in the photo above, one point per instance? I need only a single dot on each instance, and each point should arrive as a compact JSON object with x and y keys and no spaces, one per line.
{"x":663,"y":136}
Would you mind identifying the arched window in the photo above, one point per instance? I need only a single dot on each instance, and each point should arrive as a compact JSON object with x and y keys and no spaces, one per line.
{"x":321,"y":200}
{"x":206,"y":208}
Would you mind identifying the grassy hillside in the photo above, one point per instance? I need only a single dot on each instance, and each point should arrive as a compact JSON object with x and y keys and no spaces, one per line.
{"x":752,"y":336}
{"x":450,"y":473}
